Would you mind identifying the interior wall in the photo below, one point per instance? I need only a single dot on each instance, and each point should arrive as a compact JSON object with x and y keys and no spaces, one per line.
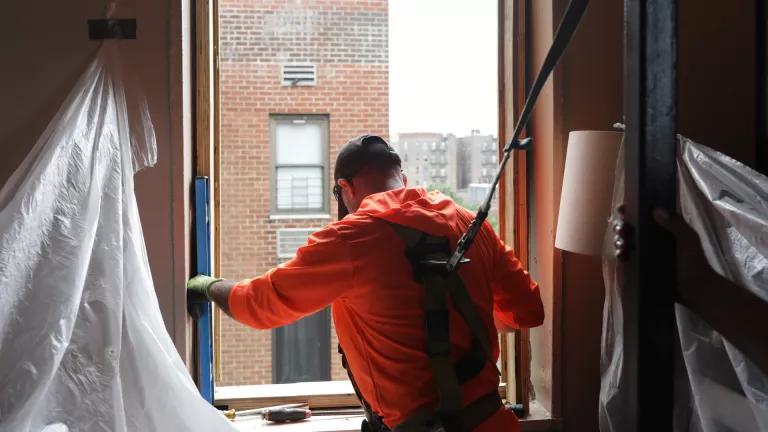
{"x":592,"y":86}
{"x":585,"y":92}
{"x":45,"y":49}
{"x":717,"y":100}
{"x":716,"y":75}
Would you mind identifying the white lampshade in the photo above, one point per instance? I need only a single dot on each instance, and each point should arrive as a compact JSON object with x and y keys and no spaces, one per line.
{"x":585,"y":203}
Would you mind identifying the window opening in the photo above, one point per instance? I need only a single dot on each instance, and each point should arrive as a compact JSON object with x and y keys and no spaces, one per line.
{"x":281,"y":127}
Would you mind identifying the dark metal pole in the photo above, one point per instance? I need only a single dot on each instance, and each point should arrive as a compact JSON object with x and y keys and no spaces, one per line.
{"x":761,"y":86}
{"x":650,"y":108}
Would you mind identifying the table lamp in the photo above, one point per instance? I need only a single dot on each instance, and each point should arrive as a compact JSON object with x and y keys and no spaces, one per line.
{"x":585,"y":202}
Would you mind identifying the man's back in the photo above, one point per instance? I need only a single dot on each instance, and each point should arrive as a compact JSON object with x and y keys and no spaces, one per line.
{"x":359,"y":265}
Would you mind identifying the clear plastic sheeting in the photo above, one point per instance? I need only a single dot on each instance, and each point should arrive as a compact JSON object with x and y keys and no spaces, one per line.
{"x":726,"y":203}
{"x":82,"y":341}
{"x":614,"y":399}
{"x":718,"y":389}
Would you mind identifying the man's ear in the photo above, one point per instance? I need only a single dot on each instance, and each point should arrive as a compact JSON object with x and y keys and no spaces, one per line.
{"x":405,"y":178}
{"x":346,"y":185}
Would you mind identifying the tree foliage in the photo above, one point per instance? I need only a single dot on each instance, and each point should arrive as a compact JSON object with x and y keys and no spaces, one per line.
{"x":493,"y":218}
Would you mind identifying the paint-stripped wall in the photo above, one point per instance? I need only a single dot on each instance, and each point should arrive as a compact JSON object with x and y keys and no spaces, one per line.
{"x":716,"y":75}
{"x":592,"y":87}
{"x":585,"y":92}
{"x":45,"y":48}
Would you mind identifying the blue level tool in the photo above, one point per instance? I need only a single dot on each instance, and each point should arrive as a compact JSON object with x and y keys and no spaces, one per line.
{"x":201,"y":308}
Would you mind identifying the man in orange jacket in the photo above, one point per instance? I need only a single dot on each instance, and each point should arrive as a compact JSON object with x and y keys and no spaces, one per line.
{"x":358,"y":265}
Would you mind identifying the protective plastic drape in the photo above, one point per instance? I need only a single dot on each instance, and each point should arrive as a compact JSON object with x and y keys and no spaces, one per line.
{"x":719,"y":389}
{"x":82,"y":341}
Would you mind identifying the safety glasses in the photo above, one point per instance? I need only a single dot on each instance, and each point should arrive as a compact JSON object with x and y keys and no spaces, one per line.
{"x":337,"y":191}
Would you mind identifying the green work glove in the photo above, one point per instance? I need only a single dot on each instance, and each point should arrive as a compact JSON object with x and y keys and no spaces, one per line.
{"x":201,"y":284}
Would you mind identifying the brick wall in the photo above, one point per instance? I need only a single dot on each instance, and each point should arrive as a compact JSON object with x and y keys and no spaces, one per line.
{"x":347,"y":40}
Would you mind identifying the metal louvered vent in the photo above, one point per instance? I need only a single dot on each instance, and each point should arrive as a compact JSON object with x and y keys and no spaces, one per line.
{"x":299,"y":74}
{"x":290,"y":239}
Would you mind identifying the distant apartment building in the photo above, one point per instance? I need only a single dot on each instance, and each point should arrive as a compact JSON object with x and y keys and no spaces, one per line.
{"x":427,"y":158}
{"x":435,"y":159}
{"x":297,"y":80}
{"x":480,"y":158}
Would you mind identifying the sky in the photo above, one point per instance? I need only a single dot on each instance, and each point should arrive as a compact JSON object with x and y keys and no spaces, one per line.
{"x":442,"y":66}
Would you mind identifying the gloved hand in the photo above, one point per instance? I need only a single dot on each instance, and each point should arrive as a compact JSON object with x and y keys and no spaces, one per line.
{"x":201,"y":284}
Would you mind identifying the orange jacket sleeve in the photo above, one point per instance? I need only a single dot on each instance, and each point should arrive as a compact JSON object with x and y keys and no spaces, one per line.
{"x":319,"y":274}
{"x":516,"y":298}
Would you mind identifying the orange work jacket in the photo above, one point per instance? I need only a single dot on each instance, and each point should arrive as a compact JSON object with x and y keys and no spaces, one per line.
{"x":358,"y":266}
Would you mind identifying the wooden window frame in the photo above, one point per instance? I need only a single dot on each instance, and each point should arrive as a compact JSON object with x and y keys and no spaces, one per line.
{"x":336,"y":394}
{"x":513,"y":202}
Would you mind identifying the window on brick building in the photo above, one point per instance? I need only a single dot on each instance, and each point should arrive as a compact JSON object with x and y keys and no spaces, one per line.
{"x":300,"y":149}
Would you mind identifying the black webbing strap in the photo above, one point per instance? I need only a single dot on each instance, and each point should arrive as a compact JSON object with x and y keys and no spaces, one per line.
{"x":426,"y":253}
{"x":438,"y":345}
{"x":472,"y":415}
{"x":563,"y":35}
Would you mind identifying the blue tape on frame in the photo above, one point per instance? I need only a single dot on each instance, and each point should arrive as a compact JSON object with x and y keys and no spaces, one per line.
{"x":204,"y":309}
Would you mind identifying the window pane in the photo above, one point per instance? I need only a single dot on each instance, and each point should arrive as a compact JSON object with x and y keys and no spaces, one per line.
{"x":299,"y":143}
{"x":300,"y":188}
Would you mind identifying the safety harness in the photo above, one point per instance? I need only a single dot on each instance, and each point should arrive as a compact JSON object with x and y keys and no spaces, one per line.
{"x":443,"y":291}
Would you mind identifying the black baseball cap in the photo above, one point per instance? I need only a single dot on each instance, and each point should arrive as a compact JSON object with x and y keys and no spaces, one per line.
{"x":361,"y":152}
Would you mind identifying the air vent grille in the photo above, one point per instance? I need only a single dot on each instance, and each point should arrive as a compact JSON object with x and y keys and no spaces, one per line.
{"x":299,"y":75}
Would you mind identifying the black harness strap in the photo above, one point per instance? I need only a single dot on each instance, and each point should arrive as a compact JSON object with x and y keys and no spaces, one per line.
{"x":472,"y":416}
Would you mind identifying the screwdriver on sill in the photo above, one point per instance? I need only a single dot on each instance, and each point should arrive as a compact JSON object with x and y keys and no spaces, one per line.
{"x":281,"y":410}
{"x":285,"y":415}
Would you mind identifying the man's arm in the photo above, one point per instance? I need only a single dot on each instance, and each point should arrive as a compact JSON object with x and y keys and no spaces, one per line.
{"x":220,"y":294}
{"x":516,"y":297}
{"x":319,"y":274}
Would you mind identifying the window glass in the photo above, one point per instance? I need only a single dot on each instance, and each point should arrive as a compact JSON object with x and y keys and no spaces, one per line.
{"x":299,"y":143}
{"x":299,"y":188}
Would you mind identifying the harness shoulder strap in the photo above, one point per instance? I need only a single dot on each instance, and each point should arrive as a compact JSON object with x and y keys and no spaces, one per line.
{"x":460,"y":297}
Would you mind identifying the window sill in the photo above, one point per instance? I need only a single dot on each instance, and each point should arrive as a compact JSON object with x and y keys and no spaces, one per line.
{"x":537,"y":421}
{"x":328,"y":394}
{"x":299,"y":216}
{"x":323,"y":394}
{"x":313,"y":424}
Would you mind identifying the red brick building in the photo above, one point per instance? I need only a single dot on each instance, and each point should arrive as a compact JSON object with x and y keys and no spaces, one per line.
{"x":298,"y":79}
